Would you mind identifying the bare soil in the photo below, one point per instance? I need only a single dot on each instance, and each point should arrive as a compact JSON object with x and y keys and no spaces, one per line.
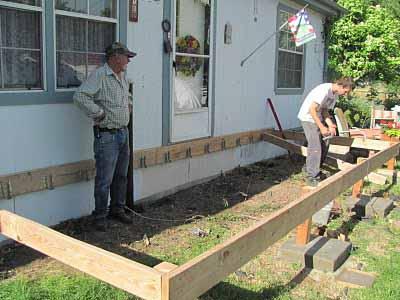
{"x":246,"y":194}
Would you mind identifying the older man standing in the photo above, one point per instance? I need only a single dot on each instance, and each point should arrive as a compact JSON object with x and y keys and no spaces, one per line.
{"x":105,"y":98}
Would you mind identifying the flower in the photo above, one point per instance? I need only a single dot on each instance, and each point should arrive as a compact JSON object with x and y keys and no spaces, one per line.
{"x":186,"y":65}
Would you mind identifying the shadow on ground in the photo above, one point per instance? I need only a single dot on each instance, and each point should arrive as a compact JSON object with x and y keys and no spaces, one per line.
{"x":207,"y":199}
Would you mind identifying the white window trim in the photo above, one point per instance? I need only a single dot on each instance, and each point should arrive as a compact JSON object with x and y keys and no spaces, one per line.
{"x":81,"y":16}
{"x":43,"y":50}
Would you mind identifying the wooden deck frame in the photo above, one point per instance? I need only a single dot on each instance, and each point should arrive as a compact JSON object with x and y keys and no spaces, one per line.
{"x":195,"y":277}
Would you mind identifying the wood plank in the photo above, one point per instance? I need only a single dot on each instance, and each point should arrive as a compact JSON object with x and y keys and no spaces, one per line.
{"x":165,"y":267}
{"x":200,"y":274}
{"x":357,"y":142}
{"x":303,"y":233}
{"x":301,"y":150}
{"x":45,"y":178}
{"x":116,"y":270}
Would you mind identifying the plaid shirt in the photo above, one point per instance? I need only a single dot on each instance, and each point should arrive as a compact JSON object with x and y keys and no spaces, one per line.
{"x":103,"y":90}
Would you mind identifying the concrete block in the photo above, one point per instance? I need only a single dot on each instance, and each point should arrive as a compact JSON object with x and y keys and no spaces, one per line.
{"x":321,"y":217}
{"x":321,"y":253}
{"x":369,"y":207}
{"x":355,"y":278}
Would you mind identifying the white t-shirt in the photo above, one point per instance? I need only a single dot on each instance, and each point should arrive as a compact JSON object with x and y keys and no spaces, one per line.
{"x":321,"y":94}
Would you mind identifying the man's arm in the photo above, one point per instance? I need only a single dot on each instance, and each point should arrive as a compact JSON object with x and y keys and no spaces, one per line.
{"x":85,"y":95}
{"x":328,"y":121}
{"x":314,"y":114}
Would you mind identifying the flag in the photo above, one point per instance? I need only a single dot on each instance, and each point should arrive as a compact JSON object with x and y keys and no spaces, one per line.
{"x":301,"y":28}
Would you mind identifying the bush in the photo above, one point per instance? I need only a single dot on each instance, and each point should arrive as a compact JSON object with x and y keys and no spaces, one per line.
{"x":356,"y":110}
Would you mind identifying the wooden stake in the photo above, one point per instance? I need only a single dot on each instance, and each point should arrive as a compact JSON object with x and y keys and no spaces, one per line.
{"x":303,"y":233}
{"x":391,"y":164}
{"x":357,"y":187}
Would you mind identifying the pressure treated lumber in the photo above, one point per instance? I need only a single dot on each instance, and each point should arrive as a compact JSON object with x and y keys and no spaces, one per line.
{"x":49,"y":178}
{"x":303,"y":232}
{"x":200,"y":274}
{"x":45,"y":178}
{"x":357,"y":142}
{"x":116,"y":270}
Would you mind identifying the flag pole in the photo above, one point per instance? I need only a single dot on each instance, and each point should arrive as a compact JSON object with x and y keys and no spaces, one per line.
{"x":266,"y":40}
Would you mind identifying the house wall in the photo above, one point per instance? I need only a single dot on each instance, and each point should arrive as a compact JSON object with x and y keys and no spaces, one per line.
{"x":38,"y":136}
{"x":240,"y":94}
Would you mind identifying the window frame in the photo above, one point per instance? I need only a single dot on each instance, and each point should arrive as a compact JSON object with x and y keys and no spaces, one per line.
{"x":49,"y":94}
{"x":287,"y":91}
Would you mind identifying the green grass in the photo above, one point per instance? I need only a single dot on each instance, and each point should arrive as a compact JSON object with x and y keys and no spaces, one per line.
{"x":370,"y":237}
{"x":60,"y":288}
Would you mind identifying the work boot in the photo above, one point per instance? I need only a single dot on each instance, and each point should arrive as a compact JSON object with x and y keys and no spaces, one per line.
{"x":121,"y":216}
{"x":100,"y":224}
{"x":313,"y":181}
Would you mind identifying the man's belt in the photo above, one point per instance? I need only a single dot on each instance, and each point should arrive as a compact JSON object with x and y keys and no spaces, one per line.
{"x":110,"y":130}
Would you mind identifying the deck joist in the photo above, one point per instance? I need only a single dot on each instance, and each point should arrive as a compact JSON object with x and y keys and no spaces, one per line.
{"x":192,"y":279}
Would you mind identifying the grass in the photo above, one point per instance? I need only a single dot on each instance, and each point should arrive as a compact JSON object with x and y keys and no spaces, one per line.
{"x":60,"y":287}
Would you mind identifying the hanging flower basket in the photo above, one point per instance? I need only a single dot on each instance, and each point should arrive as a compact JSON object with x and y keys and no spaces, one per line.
{"x":188,"y":66}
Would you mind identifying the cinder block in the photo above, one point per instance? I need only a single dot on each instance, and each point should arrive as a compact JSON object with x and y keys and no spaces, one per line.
{"x":321,"y":253}
{"x":369,"y":207}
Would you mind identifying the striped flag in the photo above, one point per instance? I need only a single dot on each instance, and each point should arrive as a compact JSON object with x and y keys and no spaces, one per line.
{"x":301,"y":28}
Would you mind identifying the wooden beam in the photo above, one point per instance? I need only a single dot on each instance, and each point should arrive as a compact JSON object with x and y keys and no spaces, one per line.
{"x":303,"y":232}
{"x":357,"y":142}
{"x":200,"y":274}
{"x":301,"y":150}
{"x":45,"y":178}
{"x":116,"y":270}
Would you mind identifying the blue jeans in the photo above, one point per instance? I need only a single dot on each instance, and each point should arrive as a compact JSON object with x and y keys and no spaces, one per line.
{"x":111,"y":152}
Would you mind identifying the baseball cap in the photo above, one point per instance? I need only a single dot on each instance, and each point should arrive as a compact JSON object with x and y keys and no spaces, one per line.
{"x":119,"y":48}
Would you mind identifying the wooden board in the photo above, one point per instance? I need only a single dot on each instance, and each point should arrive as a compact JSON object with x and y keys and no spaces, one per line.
{"x":12,"y":185}
{"x":46,"y":178}
{"x":200,"y":274}
{"x":116,"y":270}
{"x":358,"y":142}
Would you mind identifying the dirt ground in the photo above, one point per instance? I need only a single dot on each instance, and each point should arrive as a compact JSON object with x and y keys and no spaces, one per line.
{"x":236,"y":200}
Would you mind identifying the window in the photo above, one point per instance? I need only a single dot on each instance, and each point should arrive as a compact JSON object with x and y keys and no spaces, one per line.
{"x":21,"y":66}
{"x":83,"y":30}
{"x":192,"y":55}
{"x":290,"y":60}
{"x":48,"y":47}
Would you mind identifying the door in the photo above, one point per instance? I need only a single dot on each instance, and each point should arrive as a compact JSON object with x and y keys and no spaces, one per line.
{"x":191,"y":78}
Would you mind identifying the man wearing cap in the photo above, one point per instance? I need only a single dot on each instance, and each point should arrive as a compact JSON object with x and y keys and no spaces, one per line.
{"x":104,"y":97}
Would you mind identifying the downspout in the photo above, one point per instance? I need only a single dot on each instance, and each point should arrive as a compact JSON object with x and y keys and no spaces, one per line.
{"x":327,"y":27}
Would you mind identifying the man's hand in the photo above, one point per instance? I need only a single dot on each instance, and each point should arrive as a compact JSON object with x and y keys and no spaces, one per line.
{"x":97,"y":120}
{"x":332,"y":130}
{"x":325,"y":131}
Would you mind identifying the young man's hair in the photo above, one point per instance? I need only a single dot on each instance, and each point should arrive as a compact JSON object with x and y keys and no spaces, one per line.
{"x":346,"y":82}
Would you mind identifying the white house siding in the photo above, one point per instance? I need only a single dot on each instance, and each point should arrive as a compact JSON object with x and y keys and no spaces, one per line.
{"x":240,"y":95}
{"x":38,"y":136}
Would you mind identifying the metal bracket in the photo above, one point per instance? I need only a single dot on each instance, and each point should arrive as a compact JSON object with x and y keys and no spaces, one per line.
{"x":48,"y":182}
{"x":86,"y":174}
{"x":189,"y":152}
{"x":251,"y":139}
{"x":207,"y":148}
{"x":6,"y":189}
{"x":238,"y":143}
{"x":167,"y":158}
{"x":223,"y":145}
{"x":142,"y":162}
